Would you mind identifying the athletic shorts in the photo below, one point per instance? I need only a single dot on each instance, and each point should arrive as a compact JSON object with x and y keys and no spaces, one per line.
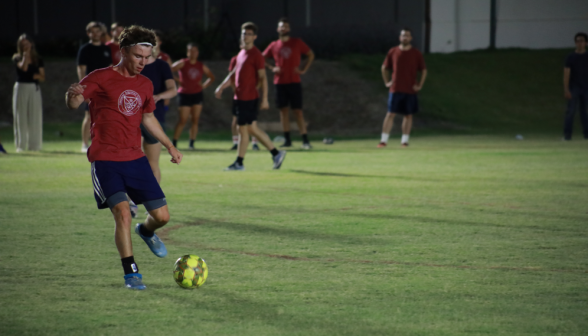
{"x":113,"y":181}
{"x":147,"y":137}
{"x":247,"y":111}
{"x":403,"y":103}
{"x":289,"y":95}
{"x":234,"y":107}
{"x":189,"y":99}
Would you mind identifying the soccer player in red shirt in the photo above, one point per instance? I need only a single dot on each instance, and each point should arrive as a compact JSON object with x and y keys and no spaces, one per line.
{"x":115,"y":30}
{"x":286,"y":52}
{"x":190,"y":95}
{"x":405,"y":62}
{"x":120,"y":100}
{"x":249,"y":71}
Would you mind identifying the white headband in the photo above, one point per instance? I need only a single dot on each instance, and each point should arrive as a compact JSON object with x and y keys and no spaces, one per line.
{"x":142,"y":43}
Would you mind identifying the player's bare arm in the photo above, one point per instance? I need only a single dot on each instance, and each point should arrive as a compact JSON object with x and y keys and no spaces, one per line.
{"x":264,"y":89}
{"x":74,"y":96}
{"x":210,"y":76}
{"x":272,"y":67}
{"x":310,"y":59}
{"x":386,"y":76}
{"x":153,"y":126}
{"x":40,"y":76}
{"x":170,"y":91}
{"x":175,"y":68}
{"x":81,"y":71}
{"x":566,"y":80}
{"x":419,"y":86}
{"x":25,"y":61}
{"x":227,"y":82}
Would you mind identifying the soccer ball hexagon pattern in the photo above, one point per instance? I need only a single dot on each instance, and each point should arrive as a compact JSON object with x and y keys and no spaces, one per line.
{"x":190,"y":271}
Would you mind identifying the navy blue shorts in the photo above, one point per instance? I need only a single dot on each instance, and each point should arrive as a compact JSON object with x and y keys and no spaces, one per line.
{"x":403,"y":103}
{"x":189,"y":99}
{"x":114,"y":180}
{"x":247,"y":111}
{"x":289,"y":95}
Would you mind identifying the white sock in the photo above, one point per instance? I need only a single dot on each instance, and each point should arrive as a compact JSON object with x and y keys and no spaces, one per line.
{"x":404,"y":138}
{"x":235,"y":139}
{"x":253,"y":140}
{"x":385,"y":137}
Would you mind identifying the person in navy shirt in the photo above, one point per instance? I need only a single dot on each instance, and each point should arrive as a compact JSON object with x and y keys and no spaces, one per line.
{"x":576,"y":86}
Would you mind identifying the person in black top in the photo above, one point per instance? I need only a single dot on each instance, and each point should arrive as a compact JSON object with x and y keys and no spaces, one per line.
{"x":164,"y":87}
{"x":27,"y":104}
{"x":92,"y":56}
{"x":576,"y":85}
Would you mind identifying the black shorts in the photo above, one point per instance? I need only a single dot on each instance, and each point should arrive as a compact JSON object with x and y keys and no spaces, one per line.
{"x":234,"y":108}
{"x":289,"y":95}
{"x":246,"y":111}
{"x":190,"y":99}
{"x":403,"y":103}
{"x":147,"y":137}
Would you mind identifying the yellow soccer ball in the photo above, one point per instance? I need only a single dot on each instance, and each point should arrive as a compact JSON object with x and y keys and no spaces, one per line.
{"x":190,"y":271}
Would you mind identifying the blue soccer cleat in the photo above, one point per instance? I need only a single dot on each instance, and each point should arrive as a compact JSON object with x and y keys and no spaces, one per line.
{"x":134,"y":281}
{"x":154,"y":243}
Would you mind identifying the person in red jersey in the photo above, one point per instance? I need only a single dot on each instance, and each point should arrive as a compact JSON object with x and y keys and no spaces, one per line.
{"x":248,"y":73}
{"x":405,"y":62}
{"x":115,"y":30}
{"x":234,"y":128}
{"x":120,"y":99}
{"x":190,"y":97}
{"x":287,"y":52}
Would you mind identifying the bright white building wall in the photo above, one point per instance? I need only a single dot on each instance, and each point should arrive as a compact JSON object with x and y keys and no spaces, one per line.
{"x":460,"y":25}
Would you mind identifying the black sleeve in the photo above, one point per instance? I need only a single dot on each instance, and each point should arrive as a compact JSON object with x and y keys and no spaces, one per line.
{"x":82,"y":56}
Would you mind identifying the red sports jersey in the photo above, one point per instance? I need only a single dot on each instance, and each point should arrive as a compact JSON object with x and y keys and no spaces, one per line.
{"x":248,"y":63}
{"x":117,"y":104}
{"x":163,"y":56}
{"x":287,"y":56}
{"x":190,"y":77}
{"x":232,"y":63}
{"x":405,"y":64}
{"x":114,"y":52}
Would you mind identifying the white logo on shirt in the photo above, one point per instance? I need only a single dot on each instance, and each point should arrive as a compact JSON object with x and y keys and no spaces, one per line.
{"x":129,"y":102}
{"x":193,"y":73}
{"x":285,"y":52}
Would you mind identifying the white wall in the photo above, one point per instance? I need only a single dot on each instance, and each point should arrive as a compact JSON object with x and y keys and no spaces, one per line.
{"x":465,"y":24}
{"x":540,"y":24}
{"x":459,"y":25}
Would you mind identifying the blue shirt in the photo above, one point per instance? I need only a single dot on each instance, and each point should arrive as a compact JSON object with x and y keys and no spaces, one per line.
{"x":158,"y":72}
{"x":578,"y":64}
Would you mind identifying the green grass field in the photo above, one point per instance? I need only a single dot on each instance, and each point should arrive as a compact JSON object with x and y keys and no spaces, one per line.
{"x":455,"y":235}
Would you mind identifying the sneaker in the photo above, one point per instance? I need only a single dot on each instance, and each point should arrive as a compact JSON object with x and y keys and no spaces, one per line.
{"x":306,"y":145}
{"x":381,"y":145}
{"x":134,"y":209}
{"x":404,"y":144}
{"x":235,"y":146}
{"x":278,"y":159}
{"x":134,"y":281}
{"x":255,"y":147}
{"x":286,"y":144}
{"x":2,"y":150}
{"x":85,"y":148}
{"x":235,"y":166}
{"x":190,"y":147}
{"x":154,"y":243}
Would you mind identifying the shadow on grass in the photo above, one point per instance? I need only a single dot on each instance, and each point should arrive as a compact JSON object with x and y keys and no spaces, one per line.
{"x":366,"y":176}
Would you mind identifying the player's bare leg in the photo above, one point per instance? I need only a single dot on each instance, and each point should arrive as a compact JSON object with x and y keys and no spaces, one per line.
{"x":285,"y":119}
{"x":157,"y":218}
{"x":182,"y":120}
{"x":235,"y":133}
{"x":302,"y":128}
{"x":406,"y":128}
{"x":153,"y":152}
{"x":122,"y":230}
{"x":195,"y":111}
{"x":386,"y":129}
{"x":261,"y":136}
{"x":243,"y":140}
{"x":86,"y":131}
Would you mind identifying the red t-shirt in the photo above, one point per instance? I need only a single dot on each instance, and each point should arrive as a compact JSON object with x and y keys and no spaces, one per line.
{"x":248,"y":63}
{"x":190,"y":77}
{"x":232,"y":63}
{"x":117,"y":104}
{"x":404,"y":65}
{"x":114,"y":52}
{"x":163,"y":56}
{"x":287,"y":56}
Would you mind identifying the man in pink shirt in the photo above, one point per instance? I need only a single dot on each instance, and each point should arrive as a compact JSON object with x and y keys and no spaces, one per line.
{"x":287,"y":52}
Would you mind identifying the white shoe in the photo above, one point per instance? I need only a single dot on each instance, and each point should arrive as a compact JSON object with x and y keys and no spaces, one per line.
{"x":85,"y":148}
